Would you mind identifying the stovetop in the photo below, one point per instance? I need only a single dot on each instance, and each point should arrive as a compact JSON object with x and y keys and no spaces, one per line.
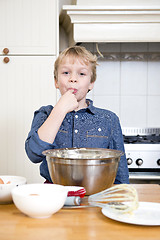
{"x":142,"y":148}
{"x":142,"y":139}
{"x":141,"y":135}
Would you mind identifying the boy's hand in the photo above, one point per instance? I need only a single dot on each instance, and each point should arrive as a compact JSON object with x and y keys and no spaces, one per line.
{"x":68,"y":101}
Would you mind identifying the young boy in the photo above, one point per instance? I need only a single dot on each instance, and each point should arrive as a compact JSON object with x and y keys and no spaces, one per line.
{"x":74,"y":122}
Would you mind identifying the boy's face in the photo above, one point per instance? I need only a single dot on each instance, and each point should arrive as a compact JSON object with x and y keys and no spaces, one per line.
{"x":74,"y":74}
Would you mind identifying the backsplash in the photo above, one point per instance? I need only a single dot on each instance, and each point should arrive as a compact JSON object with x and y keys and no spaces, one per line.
{"x":128,"y":82}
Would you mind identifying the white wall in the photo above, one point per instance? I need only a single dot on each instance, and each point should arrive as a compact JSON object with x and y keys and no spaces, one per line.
{"x":129,"y":88}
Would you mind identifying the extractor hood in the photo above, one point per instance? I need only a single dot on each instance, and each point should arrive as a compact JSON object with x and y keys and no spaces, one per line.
{"x":112,"y":23}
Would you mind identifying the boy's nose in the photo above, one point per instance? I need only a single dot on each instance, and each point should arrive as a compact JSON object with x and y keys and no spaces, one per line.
{"x":73,"y":78}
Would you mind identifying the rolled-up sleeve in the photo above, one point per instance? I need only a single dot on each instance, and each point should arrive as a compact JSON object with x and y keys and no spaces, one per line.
{"x":34,"y":146}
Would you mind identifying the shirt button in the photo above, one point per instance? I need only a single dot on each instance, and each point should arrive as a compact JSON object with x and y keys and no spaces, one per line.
{"x":99,"y":129}
{"x":76,"y":116}
{"x":76,"y":131}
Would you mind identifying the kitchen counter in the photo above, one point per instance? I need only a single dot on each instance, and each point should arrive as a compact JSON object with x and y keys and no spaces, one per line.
{"x":77,"y":224}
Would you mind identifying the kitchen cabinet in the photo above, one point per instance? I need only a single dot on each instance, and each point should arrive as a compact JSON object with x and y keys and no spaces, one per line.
{"x":29,"y":27}
{"x":27,"y":83}
{"x":112,"y":21}
{"x":28,"y":49}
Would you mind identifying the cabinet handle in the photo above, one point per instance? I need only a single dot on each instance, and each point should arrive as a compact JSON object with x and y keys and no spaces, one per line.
{"x":6,"y":59}
{"x":5,"y":51}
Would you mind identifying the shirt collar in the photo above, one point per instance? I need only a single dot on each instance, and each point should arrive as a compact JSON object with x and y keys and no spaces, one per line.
{"x":90,"y":107}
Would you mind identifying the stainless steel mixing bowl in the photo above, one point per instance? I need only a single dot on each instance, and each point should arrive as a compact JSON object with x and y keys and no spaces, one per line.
{"x":94,"y":169}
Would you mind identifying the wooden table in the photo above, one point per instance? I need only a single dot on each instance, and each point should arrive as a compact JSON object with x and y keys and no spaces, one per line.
{"x":77,"y":224}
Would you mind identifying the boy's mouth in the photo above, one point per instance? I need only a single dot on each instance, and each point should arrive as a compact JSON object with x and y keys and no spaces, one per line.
{"x":74,"y":90}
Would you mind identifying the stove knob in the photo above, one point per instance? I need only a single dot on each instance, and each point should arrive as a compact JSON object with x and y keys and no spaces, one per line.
{"x":158,"y":162}
{"x":139,"y":161}
{"x":129,"y":161}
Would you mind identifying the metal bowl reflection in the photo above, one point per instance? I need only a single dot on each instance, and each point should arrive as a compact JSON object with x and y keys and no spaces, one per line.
{"x":94,"y":169}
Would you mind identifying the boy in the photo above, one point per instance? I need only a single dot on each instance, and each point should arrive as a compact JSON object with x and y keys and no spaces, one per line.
{"x":74,"y":121}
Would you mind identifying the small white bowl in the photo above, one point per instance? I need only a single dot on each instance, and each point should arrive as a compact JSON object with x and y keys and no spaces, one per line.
{"x":39,"y":200}
{"x":10,"y":182}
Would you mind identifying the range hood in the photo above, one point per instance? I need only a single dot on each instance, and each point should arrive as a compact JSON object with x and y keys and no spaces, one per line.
{"x":112,"y":22}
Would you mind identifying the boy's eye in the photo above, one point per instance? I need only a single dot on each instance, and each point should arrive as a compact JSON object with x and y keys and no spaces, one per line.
{"x":82,"y":74}
{"x":65,"y":72}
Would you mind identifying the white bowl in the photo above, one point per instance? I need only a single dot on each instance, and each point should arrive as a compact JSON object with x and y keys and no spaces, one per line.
{"x":39,"y":200}
{"x":10,"y":182}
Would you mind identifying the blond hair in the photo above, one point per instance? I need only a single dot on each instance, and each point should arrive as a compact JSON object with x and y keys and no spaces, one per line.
{"x":77,"y":52}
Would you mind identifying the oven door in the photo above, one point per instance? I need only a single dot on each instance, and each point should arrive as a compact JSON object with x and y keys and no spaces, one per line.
{"x":143,"y":162}
{"x":146,"y":176}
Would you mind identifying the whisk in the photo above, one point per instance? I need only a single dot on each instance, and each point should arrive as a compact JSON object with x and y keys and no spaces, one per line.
{"x":121,"y":197}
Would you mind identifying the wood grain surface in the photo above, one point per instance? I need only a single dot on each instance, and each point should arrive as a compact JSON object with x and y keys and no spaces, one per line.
{"x":77,"y":224}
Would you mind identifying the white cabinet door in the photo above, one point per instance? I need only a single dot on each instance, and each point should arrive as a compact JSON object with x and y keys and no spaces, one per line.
{"x":27,"y":83}
{"x":29,"y":26}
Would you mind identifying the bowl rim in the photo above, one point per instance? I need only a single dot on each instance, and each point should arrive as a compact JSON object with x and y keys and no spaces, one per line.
{"x":17,"y":190}
{"x":118,"y":153}
{"x":17,"y":180}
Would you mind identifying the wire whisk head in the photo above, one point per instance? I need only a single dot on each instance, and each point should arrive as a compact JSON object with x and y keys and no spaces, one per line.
{"x":121,"y":197}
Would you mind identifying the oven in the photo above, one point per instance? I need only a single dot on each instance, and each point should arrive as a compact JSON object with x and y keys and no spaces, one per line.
{"x":142,"y":147}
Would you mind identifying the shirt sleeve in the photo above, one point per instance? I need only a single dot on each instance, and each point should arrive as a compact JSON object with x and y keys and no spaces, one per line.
{"x":34,"y":146}
{"x":118,"y":144}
